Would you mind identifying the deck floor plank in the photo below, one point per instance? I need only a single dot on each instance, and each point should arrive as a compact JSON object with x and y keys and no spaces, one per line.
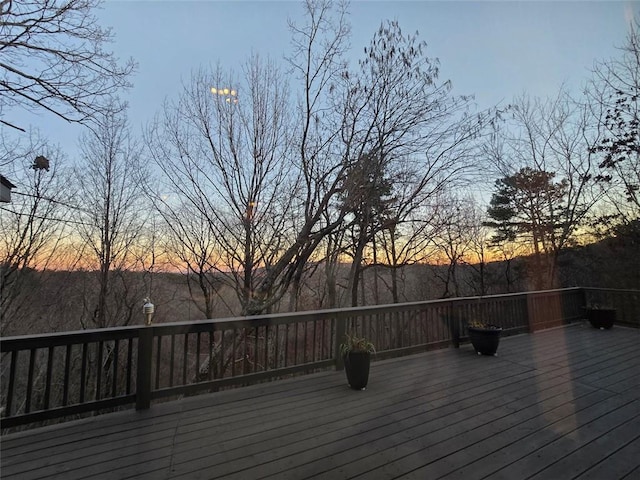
{"x":425,"y":453}
{"x":449,"y":429}
{"x":566,"y":445}
{"x":559,"y":403}
{"x":593,"y":453}
{"x":355,"y":412}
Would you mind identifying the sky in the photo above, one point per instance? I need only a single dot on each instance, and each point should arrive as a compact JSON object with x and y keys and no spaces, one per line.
{"x":494,"y":50}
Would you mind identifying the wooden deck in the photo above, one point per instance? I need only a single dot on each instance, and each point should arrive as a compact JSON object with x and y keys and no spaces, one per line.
{"x":558,"y":404}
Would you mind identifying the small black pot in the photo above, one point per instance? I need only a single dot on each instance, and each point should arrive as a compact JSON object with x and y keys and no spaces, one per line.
{"x":356,"y":364}
{"x":485,"y":341}
{"x":601,"y":317}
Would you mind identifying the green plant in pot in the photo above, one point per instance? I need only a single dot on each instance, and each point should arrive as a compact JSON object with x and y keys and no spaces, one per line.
{"x":356,"y":354}
{"x":600,"y":316}
{"x":484,"y":337}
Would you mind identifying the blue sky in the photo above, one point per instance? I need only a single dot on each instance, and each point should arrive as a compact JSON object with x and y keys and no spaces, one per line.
{"x":494,"y":50}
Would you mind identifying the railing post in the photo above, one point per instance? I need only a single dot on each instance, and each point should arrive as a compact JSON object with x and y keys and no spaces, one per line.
{"x":585,"y":297}
{"x":454,"y":320}
{"x":530,"y":312}
{"x":574,"y":302}
{"x":341,"y":330}
{"x":143,"y":377}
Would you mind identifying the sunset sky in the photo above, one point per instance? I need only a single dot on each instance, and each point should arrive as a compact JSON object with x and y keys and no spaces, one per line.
{"x":494,"y":50}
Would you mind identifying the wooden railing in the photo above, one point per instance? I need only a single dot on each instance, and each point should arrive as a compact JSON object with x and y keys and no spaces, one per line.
{"x":65,"y":374}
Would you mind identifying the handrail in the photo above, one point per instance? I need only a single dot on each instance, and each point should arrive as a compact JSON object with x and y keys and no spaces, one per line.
{"x":60,"y":374}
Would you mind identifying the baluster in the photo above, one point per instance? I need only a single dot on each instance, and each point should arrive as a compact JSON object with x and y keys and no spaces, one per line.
{"x":245,"y":352}
{"x":286,"y":345}
{"x":314,"y":338}
{"x":266,"y":347}
{"x":255,"y":350}
{"x":211,"y":361}
{"x":304,"y":343}
{"x":129,"y":364}
{"x":198,"y":340}
{"x":223,"y":366}
{"x":185,"y":356}
{"x":172,"y":359}
{"x":340,"y":329}
{"x":32,"y":359}
{"x":277,"y":348}
{"x":67,"y":367}
{"x":158,"y":360}
{"x":83,"y":372}
{"x":234,"y":352}
{"x":295,"y":344}
{"x":47,"y":388}
{"x":99,"y":373}
{"x":114,"y":363}
{"x":12,"y":380}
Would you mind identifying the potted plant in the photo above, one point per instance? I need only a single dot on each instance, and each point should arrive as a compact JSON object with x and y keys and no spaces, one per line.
{"x":600,"y":316}
{"x":484,"y":337}
{"x":356,"y":353}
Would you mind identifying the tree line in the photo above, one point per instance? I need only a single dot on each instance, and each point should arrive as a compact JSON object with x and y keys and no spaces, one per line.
{"x":261,"y":185}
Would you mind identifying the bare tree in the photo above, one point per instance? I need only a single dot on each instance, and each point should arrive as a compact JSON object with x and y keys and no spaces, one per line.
{"x":479,"y":249}
{"x":402,"y":244}
{"x":418,"y":137}
{"x":231,"y":161}
{"x":110,"y":218}
{"x":192,"y":246}
{"x":452,"y":242}
{"x":317,"y":63}
{"x":334,"y":246}
{"x":33,"y":224}
{"x":393,"y":114}
{"x":54,"y":58}
{"x":269,"y":225}
{"x":614,"y":97}
{"x":224,"y":150}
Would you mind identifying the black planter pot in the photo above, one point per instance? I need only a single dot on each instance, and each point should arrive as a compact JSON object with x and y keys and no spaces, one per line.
{"x":485,"y":341}
{"x":601,"y":317}
{"x":356,"y":364}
